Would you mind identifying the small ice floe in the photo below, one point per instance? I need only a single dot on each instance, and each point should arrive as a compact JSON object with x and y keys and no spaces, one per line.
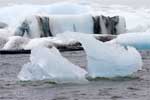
{"x":39,"y":42}
{"x":49,"y":42}
{"x":107,"y":60}
{"x":18,"y":42}
{"x":139,"y":40}
{"x":48,"y":64}
{"x":15,"y":43}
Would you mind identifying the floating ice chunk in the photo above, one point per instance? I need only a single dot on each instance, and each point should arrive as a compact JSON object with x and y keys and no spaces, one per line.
{"x":49,"y":64}
{"x":108,"y":60}
{"x":3,"y":41}
{"x":140,"y":41}
{"x":48,"y":42}
{"x":39,"y":42}
{"x":15,"y":42}
{"x":55,"y":24}
{"x":31,"y":71}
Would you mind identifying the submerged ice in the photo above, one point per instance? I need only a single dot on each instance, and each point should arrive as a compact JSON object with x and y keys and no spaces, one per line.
{"x":49,"y":64}
{"x":108,"y":60}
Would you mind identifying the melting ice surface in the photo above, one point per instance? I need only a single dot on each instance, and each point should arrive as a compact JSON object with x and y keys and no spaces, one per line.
{"x":140,"y":41}
{"x":107,"y":60}
{"x":49,"y":64}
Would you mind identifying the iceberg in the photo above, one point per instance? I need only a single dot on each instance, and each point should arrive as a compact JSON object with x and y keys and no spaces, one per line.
{"x":15,"y":43}
{"x":14,"y":14}
{"x":105,"y":59}
{"x":3,"y":42}
{"x":19,"y":43}
{"x":50,"y":25}
{"x":49,"y":64}
{"x":73,"y":23}
{"x":140,"y":41}
{"x":48,"y":42}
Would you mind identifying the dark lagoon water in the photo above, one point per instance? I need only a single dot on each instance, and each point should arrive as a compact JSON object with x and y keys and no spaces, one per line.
{"x":123,"y":89}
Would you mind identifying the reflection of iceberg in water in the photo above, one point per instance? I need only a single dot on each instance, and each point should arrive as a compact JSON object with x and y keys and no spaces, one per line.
{"x":108,"y":60}
{"x":49,"y":64}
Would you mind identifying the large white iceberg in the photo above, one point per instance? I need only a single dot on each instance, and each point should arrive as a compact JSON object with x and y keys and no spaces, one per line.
{"x":50,"y":25}
{"x":14,"y":14}
{"x":107,"y":60}
{"x":73,"y":23}
{"x":140,"y":41}
{"x":49,"y":64}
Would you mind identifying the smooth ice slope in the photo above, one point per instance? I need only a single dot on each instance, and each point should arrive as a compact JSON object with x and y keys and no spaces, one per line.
{"x":49,"y":64}
{"x":107,"y":60}
{"x":141,"y":41}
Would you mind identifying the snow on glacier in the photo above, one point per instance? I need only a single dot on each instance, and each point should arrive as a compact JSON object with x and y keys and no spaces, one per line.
{"x":49,"y":64}
{"x":107,"y":60}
